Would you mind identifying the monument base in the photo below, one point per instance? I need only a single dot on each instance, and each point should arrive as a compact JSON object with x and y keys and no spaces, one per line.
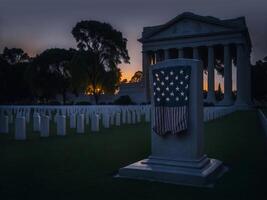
{"x":201,"y":173}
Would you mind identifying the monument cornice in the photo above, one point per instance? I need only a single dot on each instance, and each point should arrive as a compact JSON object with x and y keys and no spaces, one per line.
{"x":190,"y":36}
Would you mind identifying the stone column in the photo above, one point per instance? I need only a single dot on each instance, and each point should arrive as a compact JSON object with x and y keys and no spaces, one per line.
{"x":167,"y":54}
{"x":195,"y":53}
{"x":227,"y":77}
{"x":180,"y":53}
{"x":248,"y":76}
{"x":243,"y":76}
{"x":211,"y":93}
{"x":146,"y":64}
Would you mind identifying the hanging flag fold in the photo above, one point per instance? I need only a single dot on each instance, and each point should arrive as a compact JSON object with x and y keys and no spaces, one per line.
{"x":171,"y":99}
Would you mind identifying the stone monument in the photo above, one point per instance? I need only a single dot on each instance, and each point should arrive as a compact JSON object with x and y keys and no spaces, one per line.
{"x":178,"y":157}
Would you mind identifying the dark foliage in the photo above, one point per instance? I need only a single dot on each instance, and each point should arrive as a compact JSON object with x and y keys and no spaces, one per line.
{"x":124,"y":100}
{"x":259,"y":80}
{"x":49,"y":73}
{"x":101,"y":49}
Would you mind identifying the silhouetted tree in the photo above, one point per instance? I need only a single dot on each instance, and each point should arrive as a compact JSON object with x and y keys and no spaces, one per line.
{"x":124,"y":81}
{"x":137,"y":77}
{"x":15,"y":55}
{"x":101,"y":49}
{"x":49,"y":73}
{"x":13,"y":65}
{"x":259,"y":80}
{"x":219,"y":93}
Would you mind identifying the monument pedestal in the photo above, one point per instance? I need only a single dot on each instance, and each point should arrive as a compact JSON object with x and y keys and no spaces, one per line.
{"x":177,"y":158}
{"x":201,"y":173}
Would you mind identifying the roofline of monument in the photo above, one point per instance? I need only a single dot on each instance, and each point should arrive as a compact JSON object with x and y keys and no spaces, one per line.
{"x":208,"y":19}
{"x":191,"y":36}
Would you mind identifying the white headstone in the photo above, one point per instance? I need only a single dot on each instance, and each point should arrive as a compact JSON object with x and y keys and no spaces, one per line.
{"x":129,"y":117}
{"x":10,"y":118}
{"x":87,"y":118}
{"x":106,"y":119}
{"x":112,"y":119}
{"x":123,"y":116}
{"x":27,"y":115}
{"x":36,"y":122}
{"x":20,"y":128}
{"x":80,"y":123}
{"x":44,"y":131}
{"x":4,"y":124}
{"x":72,"y":120}
{"x":118,"y":119}
{"x":61,"y":125}
{"x":95,"y":122}
{"x":133,"y":117}
{"x":138,"y":116}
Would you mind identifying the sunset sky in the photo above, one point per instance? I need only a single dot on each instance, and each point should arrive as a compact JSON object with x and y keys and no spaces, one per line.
{"x":35,"y":25}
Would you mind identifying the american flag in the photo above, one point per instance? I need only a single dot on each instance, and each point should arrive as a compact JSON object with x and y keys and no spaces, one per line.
{"x":171,"y":98}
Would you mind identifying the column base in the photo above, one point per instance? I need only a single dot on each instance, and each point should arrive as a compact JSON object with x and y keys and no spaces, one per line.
{"x":201,"y":173}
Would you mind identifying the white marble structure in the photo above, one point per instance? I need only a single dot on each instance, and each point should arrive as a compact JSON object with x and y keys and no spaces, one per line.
{"x":189,"y":36}
{"x":179,"y":159}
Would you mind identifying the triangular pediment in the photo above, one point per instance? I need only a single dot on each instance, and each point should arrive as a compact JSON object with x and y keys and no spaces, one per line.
{"x":189,"y":24}
{"x":186,"y":27}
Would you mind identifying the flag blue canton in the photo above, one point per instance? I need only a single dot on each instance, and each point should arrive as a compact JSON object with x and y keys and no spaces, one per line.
{"x":171,"y":99}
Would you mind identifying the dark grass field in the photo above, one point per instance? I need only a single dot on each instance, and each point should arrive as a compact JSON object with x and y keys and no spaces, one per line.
{"x":83,"y":166}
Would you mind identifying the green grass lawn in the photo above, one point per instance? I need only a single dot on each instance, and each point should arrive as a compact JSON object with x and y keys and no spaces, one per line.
{"x":83,"y":166}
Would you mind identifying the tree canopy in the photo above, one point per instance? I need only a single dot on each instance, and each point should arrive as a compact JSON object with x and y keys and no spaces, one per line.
{"x":137,"y":77}
{"x":15,"y":55}
{"x":49,"y":73}
{"x":101,"y":50}
{"x":259,"y":80}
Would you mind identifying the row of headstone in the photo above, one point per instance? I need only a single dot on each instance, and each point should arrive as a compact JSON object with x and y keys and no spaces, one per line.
{"x":78,"y":118}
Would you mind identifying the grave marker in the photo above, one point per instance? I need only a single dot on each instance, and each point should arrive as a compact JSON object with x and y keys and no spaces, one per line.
{"x":177,"y":128}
